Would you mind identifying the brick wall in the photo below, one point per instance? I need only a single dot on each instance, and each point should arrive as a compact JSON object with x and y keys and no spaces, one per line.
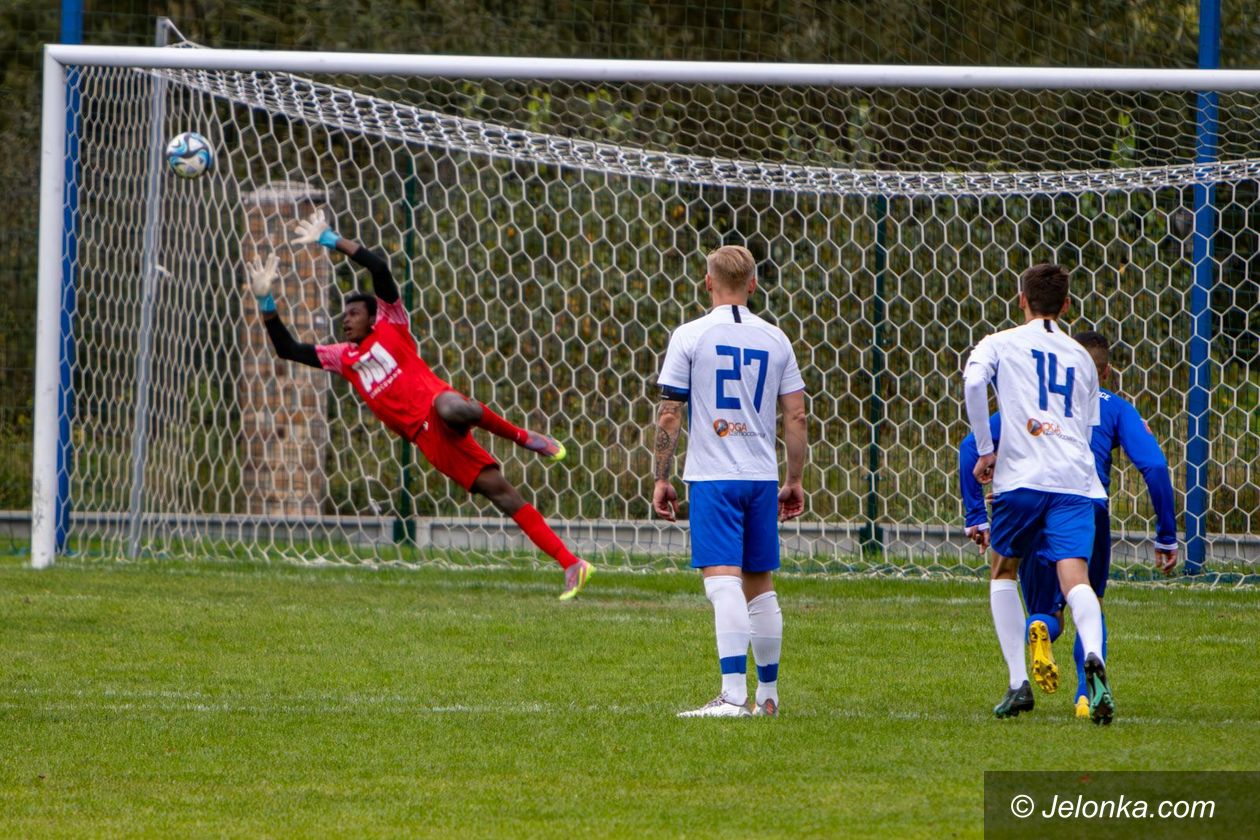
{"x":283,"y":415}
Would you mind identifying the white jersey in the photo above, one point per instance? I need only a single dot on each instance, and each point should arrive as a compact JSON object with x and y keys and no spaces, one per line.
{"x":1047,"y":392}
{"x":733,"y":367}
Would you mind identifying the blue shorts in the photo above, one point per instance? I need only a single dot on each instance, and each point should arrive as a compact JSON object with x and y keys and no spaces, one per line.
{"x":1100,"y":560}
{"x":735,"y":523}
{"x":1055,"y":526}
{"x":1040,"y":583}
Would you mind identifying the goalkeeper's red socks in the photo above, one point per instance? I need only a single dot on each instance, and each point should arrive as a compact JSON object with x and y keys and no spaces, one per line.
{"x":536,"y":529}
{"x":496,"y":425}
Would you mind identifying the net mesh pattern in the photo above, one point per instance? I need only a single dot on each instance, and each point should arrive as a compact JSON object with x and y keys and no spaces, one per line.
{"x":548,"y":236}
{"x":827,"y":140}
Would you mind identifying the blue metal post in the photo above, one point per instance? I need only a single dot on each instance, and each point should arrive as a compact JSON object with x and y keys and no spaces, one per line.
{"x":1199,"y":398}
{"x":71,"y":33}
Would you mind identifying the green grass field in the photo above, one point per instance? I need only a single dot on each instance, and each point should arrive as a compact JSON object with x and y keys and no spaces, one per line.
{"x":245,"y":700}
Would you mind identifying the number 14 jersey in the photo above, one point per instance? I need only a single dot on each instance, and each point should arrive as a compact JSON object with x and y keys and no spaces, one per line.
{"x":732,"y":367}
{"x":1047,"y":392}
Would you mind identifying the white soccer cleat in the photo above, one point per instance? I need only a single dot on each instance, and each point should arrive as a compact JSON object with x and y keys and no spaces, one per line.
{"x":718,"y":707}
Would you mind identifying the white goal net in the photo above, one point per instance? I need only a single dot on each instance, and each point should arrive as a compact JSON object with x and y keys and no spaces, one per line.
{"x":548,"y":234}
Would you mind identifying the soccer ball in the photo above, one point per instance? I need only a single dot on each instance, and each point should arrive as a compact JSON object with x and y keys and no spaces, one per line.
{"x":189,"y":154}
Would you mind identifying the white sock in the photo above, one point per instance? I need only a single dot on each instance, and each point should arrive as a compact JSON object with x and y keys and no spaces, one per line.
{"x":1008,"y":621}
{"x":1087,"y":616}
{"x":766,"y":620}
{"x":730,"y":620}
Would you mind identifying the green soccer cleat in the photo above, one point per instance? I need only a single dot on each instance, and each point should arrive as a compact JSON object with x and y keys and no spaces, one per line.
{"x":1102,"y":706}
{"x":548,"y":447}
{"x":1016,"y":700}
{"x":1045,"y":671}
{"x":575,"y":577}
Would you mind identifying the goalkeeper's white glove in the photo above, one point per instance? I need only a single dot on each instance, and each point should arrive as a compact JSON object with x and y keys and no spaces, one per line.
{"x":261,"y":275}
{"x":314,"y":228}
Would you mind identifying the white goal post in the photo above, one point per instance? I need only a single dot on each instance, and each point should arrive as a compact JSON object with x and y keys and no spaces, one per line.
{"x":1214,"y":482}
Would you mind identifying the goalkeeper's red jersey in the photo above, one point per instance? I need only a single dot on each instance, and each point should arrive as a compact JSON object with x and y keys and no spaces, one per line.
{"x":387,"y":371}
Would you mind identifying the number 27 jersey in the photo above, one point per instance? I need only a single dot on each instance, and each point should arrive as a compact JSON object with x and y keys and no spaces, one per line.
{"x":734,"y":367}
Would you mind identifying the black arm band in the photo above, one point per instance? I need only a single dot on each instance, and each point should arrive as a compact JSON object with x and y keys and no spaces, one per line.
{"x":286,"y":347}
{"x":669,"y":392}
{"x":383,"y":285}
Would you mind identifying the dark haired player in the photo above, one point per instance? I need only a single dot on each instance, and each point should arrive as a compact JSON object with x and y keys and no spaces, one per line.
{"x":379,"y":358}
{"x":1044,"y":479}
{"x":1121,"y":427}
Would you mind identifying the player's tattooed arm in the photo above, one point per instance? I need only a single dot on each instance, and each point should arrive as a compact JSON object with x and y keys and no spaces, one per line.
{"x":668,"y":428}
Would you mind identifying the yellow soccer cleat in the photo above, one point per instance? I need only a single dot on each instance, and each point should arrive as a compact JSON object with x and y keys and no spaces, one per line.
{"x":1045,"y":672}
{"x":1082,"y":707}
{"x":575,"y":577}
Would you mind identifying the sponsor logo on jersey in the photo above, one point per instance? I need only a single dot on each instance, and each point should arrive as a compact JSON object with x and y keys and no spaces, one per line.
{"x":1048,"y":428}
{"x":732,"y":428}
{"x":376,"y":369}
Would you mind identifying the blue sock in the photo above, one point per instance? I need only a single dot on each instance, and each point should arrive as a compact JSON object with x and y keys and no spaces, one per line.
{"x":1052,"y":624}
{"x":1078,"y":654}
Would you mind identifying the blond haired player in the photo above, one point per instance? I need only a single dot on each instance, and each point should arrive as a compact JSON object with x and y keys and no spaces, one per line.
{"x":734,"y":372}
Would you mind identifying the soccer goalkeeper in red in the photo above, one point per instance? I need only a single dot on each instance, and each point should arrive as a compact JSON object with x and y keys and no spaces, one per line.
{"x":379,"y":358}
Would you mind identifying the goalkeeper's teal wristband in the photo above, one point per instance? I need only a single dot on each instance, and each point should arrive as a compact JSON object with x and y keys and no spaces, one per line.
{"x":329,"y":239}
{"x":267,"y":304}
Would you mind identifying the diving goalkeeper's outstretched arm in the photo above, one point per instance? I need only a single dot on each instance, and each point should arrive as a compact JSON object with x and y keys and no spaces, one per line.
{"x":262,"y":273}
{"x":314,"y":228}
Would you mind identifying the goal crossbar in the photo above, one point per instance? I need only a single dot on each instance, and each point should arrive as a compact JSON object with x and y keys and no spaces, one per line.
{"x":686,"y":72}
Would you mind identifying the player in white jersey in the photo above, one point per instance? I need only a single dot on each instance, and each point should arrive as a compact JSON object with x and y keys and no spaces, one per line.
{"x":1044,"y":478}
{"x":734,"y":371}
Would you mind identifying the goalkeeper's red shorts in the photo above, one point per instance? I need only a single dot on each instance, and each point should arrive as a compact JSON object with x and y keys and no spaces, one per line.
{"x":454,"y":454}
